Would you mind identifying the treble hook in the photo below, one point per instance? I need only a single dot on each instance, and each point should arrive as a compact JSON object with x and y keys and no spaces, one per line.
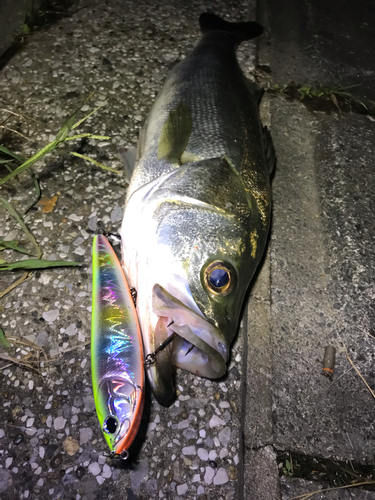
{"x":150,"y":359}
{"x":124,"y":455}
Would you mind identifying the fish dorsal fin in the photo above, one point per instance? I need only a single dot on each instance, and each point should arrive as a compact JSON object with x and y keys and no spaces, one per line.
{"x":175,"y":134}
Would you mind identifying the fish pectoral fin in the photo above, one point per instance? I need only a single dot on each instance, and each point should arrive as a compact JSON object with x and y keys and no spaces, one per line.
{"x":189,"y":158}
{"x":127,"y":156}
{"x":175,"y":134}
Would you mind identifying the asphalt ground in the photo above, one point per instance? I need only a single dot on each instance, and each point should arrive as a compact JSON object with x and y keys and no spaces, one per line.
{"x":236,"y":438}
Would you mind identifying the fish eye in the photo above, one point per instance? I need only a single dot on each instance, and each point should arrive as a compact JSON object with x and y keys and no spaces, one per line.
{"x":219,"y":278}
{"x":110,"y":425}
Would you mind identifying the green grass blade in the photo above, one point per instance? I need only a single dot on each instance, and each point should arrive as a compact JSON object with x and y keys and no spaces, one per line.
{"x":3,"y":340}
{"x":97,"y":163}
{"x":5,"y":150}
{"x":37,"y":189}
{"x":13,"y":245}
{"x":89,"y":136}
{"x":29,"y":236}
{"x":52,"y":145}
{"x":88,"y":116}
{"x":37,"y":264}
{"x":62,"y":134}
{"x":2,"y":162}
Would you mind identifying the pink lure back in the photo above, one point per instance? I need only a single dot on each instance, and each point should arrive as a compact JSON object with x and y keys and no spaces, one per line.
{"x":117,"y":362}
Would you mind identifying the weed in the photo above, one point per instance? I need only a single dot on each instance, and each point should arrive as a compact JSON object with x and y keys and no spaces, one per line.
{"x":62,"y":137}
{"x":320,"y":96}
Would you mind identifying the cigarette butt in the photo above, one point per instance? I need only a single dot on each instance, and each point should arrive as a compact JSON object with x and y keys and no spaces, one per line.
{"x":329,"y":361}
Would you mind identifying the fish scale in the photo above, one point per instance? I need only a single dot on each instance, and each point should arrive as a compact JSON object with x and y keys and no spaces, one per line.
{"x":225,"y":101}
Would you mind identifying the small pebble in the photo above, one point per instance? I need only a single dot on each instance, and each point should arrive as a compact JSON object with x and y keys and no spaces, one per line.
{"x":107,"y":473}
{"x":202,"y":454}
{"x":212,"y":464}
{"x":18,"y":438}
{"x":208,"y":477}
{"x":209,"y":442}
{"x":94,"y":468}
{"x":221,"y":477}
{"x":75,"y":217}
{"x":85,"y":435}
{"x":190,"y":434}
{"x":189,"y":450}
{"x":30,"y":422}
{"x":232,"y":472}
{"x":80,"y":472}
{"x":51,"y":316}
{"x":216,"y":421}
{"x":59,"y":423}
{"x":116,"y":214}
{"x":184,"y":424}
{"x":182,"y":489}
{"x":234,"y":406}
{"x":93,"y":222}
{"x":56,"y":461}
{"x":78,"y":385}
{"x":224,"y":436}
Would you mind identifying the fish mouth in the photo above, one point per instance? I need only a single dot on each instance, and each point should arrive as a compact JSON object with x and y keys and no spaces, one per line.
{"x":198,"y":346}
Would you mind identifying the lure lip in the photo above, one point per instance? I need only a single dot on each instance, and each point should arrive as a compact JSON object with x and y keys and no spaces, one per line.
{"x":123,"y":440}
{"x":124,"y":444}
{"x":124,"y":329}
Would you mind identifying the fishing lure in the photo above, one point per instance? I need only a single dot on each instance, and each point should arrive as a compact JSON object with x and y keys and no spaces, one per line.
{"x":117,"y":362}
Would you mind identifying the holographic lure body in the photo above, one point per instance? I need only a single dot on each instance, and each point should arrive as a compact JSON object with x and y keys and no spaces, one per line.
{"x":117,"y":362}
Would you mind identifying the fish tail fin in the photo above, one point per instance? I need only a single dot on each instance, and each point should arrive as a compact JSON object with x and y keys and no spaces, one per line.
{"x":241,"y":31}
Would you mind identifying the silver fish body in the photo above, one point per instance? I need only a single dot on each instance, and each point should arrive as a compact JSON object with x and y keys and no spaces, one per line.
{"x":197,"y":210}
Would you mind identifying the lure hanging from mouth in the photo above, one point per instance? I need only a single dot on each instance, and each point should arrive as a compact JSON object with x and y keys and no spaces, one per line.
{"x":117,"y":362}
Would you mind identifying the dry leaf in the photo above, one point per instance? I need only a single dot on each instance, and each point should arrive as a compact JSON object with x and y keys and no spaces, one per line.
{"x":48,"y":204}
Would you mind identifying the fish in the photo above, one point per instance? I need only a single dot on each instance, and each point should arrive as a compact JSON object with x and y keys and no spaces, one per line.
{"x":198,"y":207}
{"x":117,"y":359}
